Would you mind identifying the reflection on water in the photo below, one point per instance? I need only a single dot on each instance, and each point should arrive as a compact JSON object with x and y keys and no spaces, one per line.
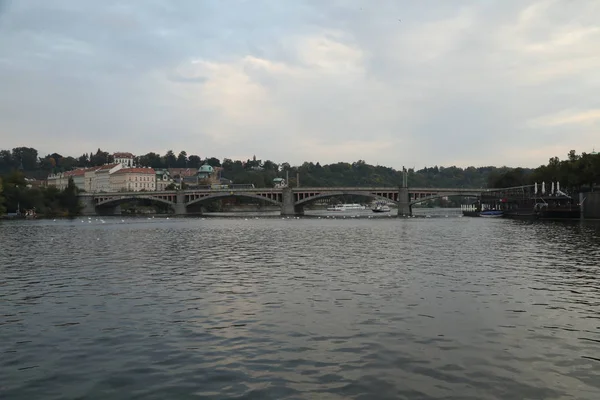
{"x":420,"y":308}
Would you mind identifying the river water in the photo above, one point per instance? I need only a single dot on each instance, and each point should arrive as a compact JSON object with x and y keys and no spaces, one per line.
{"x":310,"y":308}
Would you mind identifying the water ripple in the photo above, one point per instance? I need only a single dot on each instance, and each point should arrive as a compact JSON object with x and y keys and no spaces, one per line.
{"x":452,"y":308}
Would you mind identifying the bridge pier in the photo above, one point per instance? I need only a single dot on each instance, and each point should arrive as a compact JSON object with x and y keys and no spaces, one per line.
{"x":288,"y":208}
{"x":180,"y":207}
{"x":89,"y":208}
{"x":404,"y":208}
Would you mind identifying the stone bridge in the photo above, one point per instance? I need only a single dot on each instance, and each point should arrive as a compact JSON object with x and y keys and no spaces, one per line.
{"x":290,"y":200}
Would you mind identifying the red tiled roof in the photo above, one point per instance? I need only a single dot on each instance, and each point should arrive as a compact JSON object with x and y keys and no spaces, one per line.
{"x":123,"y":155}
{"x":136,"y":171}
{"x":107,"y":166}
{"x":183,"y":171}
{"x":76,"y":172}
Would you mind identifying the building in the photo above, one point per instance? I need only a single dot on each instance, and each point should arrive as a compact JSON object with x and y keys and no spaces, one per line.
{"x":183,"y":175}
{"x":133,"y":180}
{"x":54,"y":180}
{"x":125,"y":159}
{"x":177,"y":173}
{"x":102,"y":176}
{"x":189,"y":182}
{"x":279,"y":183}
{"x":61,"y":180}
{"x":206,"y":173}
{"x":163,"y":179}
{"x":89,"y":180}
{"x":34,"y":183}
{"x":78,"y":178}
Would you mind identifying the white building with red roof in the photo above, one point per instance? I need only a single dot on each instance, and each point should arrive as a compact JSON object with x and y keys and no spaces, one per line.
{"x":102,"y":176}
{"x":54,"y":180}
{"x":125,"y":159}
{"x":89,"y":179}
{"x":61,"y":180}
{"x":133,"y":180}
{"x":78,"y":178}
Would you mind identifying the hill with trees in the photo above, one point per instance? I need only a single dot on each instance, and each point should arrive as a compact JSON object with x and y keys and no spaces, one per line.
{"x":255,"y":171}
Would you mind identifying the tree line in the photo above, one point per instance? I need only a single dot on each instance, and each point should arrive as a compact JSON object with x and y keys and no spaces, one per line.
{"x":577,"y":172}
{"x":17,"y":194}
{"x":28,"y":159}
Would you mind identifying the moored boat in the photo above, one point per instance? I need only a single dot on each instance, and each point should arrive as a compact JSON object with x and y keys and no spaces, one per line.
{"x":491,"y":213}
{"x":541,"y":205}
{"x":346,"y":207}
{"x":380,"y":208}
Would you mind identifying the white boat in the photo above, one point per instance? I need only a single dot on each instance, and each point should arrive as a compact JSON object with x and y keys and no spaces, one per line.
{"x":345,"y":207}
{"x":381,"y":208}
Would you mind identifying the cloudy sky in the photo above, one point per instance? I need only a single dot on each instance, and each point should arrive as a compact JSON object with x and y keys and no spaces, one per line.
{"x":415,"y":83}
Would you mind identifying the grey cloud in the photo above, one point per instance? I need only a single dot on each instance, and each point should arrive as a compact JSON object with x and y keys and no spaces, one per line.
{"x":431,"y":88}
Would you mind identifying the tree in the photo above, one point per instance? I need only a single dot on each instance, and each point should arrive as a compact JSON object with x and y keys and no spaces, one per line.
{"x":586,"y":167}
{"x":170,"y":159}
{"x":6,"y":161}
{"x":576,"y":173}
{"x":227,"y":164}
{"x":213,"y":162}
{"x":511,"y":178}
{"x":25,"y":156}
{"x":47,"y":164}
{"x":194,"y":161}
{"x":14,"y":186}
{"x":69,"y":199}
{"x":68,"y":163}
{"x":270,"y":166}
{"x":150,"y":160}
{"x":83,"y":161}
{"x":182,"y":160}
{"x":100,"y":158}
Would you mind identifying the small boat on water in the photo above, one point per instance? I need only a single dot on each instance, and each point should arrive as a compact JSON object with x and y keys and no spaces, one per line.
{"x":491,"y":213}
{"x":346,"y":207}
{"x":482,"y":210}
{"x":380,"y":208}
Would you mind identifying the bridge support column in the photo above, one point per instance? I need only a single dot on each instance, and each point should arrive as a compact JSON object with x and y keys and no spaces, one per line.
{"x":89,"y":208}
{"x":404,"y":208}
{"x":288,"y":208}
{"x":179,"y":206}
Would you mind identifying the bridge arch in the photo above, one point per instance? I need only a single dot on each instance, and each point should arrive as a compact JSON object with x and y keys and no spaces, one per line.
{"x":223,"y":195}
{"x":123,"y":199}
{"x":327,"y":195}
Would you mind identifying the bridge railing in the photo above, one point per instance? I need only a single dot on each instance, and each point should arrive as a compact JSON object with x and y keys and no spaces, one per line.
{"x":250,"y":189}
{"x":510,"y":188}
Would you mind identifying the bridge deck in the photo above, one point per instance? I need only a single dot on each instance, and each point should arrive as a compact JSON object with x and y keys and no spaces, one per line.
{"x":294,"y":190}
